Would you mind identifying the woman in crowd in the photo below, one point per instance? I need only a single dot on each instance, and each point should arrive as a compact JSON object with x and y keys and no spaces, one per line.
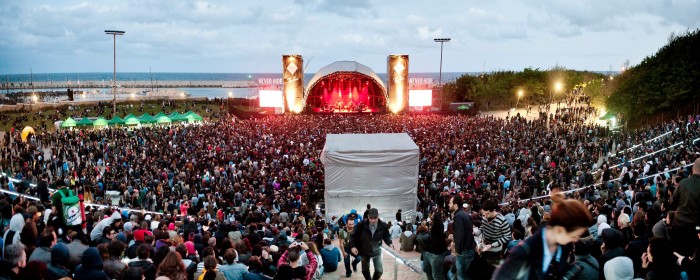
{"x":172,"y":267}
{"x":546,"y":253}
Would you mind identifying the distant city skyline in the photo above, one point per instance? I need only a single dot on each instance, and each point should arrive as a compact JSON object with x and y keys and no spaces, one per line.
{"x":251,"y":36}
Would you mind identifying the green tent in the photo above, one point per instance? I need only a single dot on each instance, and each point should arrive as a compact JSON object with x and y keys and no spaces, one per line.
{"x":84,"y":122}
{"x":100,"y":122}
{"x":69,"y":122}
{"x":146,"y":118}
{"x":175,"y":116}
{"x":116,"y":121}
{"x":162,"y":118}
{"x":131,"y":120}
{"x":192,"y":116}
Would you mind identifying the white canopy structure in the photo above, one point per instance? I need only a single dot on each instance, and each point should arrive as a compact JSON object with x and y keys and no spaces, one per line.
{"x":376,"y":169}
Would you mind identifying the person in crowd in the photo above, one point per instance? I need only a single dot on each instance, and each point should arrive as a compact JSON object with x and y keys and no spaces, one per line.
{"x":139,"y":238}
{"x":463,"y":236}
{"x":395,"y":230}
{"x":319,"y":259}
{"x":407,"y":240}
{"x":612,"y":247}
{"x":190,"y":264}
{"x":344,"y":236}
{"x":585,"y":266}
{"x":290,"y":267}
{"x":496,"y":233}
{"x":659,"y":262}
{"x":230,"y":268}
{"x":143,"y":260}
{"x":207,"y":252}
{"x":545,"y":253}
{"x":367,"y":240}
{"x":90,"y":267}
{"x":331,"y":256}
{"x":255,"y":270}
{"x":113,"y":221}
{"x":172,"y":267}
{"x":686,"y":202}
{"x":134,"y":273}
{"x":113,"y":266}
{"x":12,"y":234}
{"x":619,"y":268}
{"x":43,"y":252}
{"x":435,"y":252}
{"x":60,"y":258}
{"x":76,"y":247}
{"x":14,"y":261}
{"x":210,"y":270}
{"x":34,"y":270}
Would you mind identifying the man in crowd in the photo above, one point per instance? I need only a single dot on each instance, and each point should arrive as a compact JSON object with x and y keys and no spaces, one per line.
{"x":496,"y":233}
{"x":463,"y":237}
{"x":367,"y":242}
{"x":345,"y":235}
{"x":687,"y":200}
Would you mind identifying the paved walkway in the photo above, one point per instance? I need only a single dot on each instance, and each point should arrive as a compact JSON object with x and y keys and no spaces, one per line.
{"x":403,"y":272}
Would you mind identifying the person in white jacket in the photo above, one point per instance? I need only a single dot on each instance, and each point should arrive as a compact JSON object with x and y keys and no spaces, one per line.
{"x":114,"y":220}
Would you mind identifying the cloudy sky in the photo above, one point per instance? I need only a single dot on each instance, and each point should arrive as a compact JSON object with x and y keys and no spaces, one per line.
{"x":52,"y":36}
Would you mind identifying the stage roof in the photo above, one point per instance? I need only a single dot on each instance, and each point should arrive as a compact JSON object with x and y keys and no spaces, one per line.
{"x":343,"y":66}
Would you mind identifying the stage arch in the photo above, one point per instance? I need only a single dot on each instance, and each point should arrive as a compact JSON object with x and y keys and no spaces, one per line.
{"x":345,"y":86}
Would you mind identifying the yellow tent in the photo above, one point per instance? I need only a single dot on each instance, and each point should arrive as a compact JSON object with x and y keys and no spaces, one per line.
{"x":26,"y":131}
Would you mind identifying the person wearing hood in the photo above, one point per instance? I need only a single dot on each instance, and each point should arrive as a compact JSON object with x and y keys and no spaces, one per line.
{"x":601,"y":224}
{"x":11,"y":236}
{"x":395,"y":230}
{"x":619,"y":268}
{"x":611,"y":248}
{"x":330,"y":256}
{"x":114,"y":220}
{"x":90,"y":267}
{"x":585,"y":266}
{"x":60,"y":257}
{"x":407,"y":241}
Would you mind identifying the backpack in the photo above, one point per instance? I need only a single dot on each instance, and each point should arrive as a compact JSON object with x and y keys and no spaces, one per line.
{"x":71,"y":209}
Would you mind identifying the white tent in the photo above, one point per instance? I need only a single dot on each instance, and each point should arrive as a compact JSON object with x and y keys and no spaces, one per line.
{"x":379,"y":169}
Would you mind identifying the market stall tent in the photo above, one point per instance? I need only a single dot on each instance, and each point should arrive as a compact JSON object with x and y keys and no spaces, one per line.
{"x":116,"y":121}
{"x":146,"y":118}
{"x":100,"y":122}
{"x":84,"y":122}
{"x":69,"y":122}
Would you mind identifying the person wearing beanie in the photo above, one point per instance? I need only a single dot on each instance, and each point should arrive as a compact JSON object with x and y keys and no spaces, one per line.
{"x":611,"y":248}
{"x":60,"y":257}
{"x":91,"y":266}
{"x":139,"y":237}
{"x":618,"y":268}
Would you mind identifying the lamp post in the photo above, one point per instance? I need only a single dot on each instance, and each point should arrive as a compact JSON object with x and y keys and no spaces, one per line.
{"x":441,"y":41}
{"x":114,"y":34}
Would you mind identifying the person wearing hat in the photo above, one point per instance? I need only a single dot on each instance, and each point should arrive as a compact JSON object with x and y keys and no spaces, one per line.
{"x":367,"y":241}
{"x":139,"y":237}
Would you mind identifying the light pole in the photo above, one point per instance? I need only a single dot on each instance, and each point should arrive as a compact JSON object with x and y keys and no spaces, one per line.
{"x":114,"y":34}
{"x":441,"y":41}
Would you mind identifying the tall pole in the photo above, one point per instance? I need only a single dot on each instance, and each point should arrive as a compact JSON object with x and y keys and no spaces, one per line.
{"x":439,"y":97}
{"x":114,"y":34}
{"x":441,"y":41}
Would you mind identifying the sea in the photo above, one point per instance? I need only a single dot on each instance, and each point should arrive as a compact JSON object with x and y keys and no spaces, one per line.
{"x":260,"y":80}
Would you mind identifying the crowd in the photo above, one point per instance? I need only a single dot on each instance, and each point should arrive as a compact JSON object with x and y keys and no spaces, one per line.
{"x":241,"y":199}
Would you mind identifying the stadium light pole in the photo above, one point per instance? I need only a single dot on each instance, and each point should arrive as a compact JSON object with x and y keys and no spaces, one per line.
{"x":441,"y":41}
{"x":114,"y":34}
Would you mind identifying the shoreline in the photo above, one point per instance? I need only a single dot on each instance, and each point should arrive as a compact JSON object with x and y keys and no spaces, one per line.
{"x":127,"y":84}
